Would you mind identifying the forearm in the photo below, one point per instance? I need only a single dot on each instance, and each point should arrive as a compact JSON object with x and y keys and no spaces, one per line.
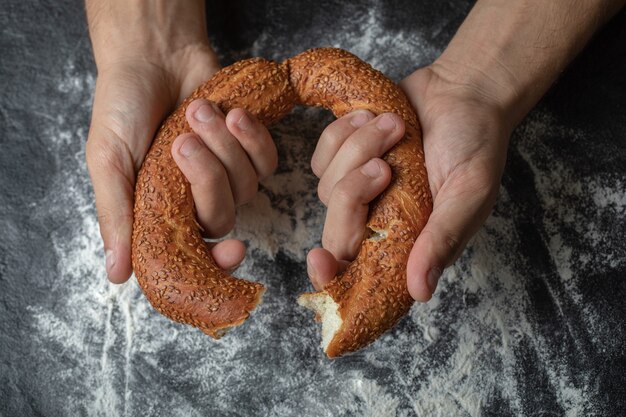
{"x":141,"y":29}
{"x":511,"y":51}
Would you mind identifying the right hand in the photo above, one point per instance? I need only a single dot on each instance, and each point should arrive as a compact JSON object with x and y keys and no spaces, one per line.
{"x":150,"y":56}
{"x":133,"y":95}
{"x":223,"y":159}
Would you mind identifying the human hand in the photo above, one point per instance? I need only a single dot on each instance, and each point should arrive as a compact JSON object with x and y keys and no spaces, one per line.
{"x":223,"y":160}
{"x":348,"y":162}
{"x":501,"y":61}
{"x":144,"y":70}
{"x":465,"y":138}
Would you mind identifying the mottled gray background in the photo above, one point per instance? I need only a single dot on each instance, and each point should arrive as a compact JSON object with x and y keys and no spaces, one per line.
{"x":530,"y":321}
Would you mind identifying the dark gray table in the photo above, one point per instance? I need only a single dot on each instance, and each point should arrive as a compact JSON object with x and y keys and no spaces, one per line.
{"x":530,"y":322}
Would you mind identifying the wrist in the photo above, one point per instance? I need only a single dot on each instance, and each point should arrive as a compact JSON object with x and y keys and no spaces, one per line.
{"x":486,"y":81}
{"x":156,"y":31}
{"x":510,"y":52}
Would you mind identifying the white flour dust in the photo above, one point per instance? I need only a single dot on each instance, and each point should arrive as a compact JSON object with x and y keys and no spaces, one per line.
{"x":374,"y":38}
{"x":291,"y":221}
{"x":87,"y":300}
{"x":451,"y":357}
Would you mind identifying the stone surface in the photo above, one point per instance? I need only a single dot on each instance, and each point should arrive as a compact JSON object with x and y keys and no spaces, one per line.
{"x":530,"y":321}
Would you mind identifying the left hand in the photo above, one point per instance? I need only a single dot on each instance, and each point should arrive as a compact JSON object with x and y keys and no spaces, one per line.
{"x":465,"y":136}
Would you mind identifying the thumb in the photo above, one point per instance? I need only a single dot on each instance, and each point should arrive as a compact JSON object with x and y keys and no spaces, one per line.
{"x":113,"y":176}
{"x":459,"y":209}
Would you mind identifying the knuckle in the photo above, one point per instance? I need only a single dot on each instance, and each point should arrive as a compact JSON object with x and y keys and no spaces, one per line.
{"x":359,"y":147}
{"x":334,"y":134}
{"x":352,"y":246}
{"x":452,"y":241}
{"x":211,"y":174}
{"x":483,"y":183}
{"x":271,"y":163}
{"x":488,"y":193}
{"x":248,"y":191}
{"x":323,"y":193}
{"x":108,"y":217}
{"x":342,"y":247}
{"x":221,"y":143}
{"x":455,"y":245}
{"x":100,"y":153}
{"x":215,"y":134}
{"x":343,"y":193}
{"x":108,"y":152}
{"x":316,"y":168}
{"x":449,"y":242}
{"x":400,"y":125}
{"x":329,"y":242}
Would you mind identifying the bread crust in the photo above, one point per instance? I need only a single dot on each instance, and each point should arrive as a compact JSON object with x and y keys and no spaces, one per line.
{"x":173,"y":264}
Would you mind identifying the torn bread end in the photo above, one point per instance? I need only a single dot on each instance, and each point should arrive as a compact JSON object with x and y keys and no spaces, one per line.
{"x":327,"y":309}
{"x":218,"y":332}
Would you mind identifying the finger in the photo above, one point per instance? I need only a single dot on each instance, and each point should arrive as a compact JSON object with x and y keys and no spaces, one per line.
{"x":459,"y":210}
{"x":112,"y":173}
{"x":334,"y":136}
{"x":228,"y":254}
{"x":322,"y":267}
{"x":208,"y":122}
{"x":348,"y":208}
{"x":371,"y":141}
{"x":210,"y":187}
{"x":255,"y":139}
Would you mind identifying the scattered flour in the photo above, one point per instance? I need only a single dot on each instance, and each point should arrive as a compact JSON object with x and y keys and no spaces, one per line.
{"x":290,"y":222}
{"x":450,"y":357}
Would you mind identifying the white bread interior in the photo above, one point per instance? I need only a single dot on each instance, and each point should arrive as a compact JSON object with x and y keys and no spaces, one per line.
{"x":327,"y":309}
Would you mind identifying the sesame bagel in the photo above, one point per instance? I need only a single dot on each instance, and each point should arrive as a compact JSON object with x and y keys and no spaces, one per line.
{"x":172,"y":262}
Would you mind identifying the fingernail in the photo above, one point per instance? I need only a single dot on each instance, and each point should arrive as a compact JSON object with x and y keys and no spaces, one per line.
{"x":110,"y":260}
{"x":312,"y":273}
{"x":359,"y":119}
{"x":433,"y":279}
{"x":244,"y":123}
{"x":386,"y":123}
{"x":204,"y":113}
{"x":189,"y":147}
{"x":371,"y":169}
